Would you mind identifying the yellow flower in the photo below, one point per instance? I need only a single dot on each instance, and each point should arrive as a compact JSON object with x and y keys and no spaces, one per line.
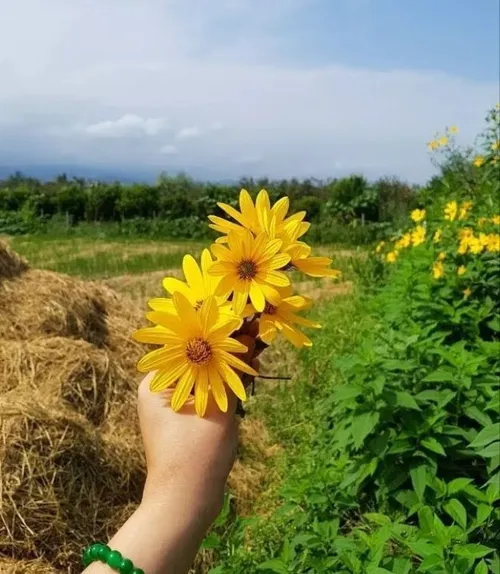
{"x":495,"y":146}
{"x":450,"y":211}
{"x":444,"y":141}
{"x":464,"y":209}
{"x":418,"y":235}
{"x":442,"y":256}
{"x":453,"y":130}
{"x":261,"y":217}
{"x":313,"y":266}
{"x":482,"y":220}
{"x":249,"y":268}
{"x":461,"y":270}
{"x":437,"y":236}
{"x":379,"y":247}
{"x":475,"y":245}
{"x":495,"y":219}
{"x":493,"y":245}
{"x":405,"y":241}
{"x":391,"y":256}
{"x":198,"y":286}
{"x":483,"y":239}
{"x":196,"y":352}
{"x":432,"y":145}
{"x":478,"y":161}
{"x":438,"y":270}
{"x":281,"y":317}
{"x":417,"y":215}
{"x":467,"y":292}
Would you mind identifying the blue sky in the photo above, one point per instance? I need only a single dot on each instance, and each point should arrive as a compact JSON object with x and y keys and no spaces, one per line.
{"x":224,"y":88}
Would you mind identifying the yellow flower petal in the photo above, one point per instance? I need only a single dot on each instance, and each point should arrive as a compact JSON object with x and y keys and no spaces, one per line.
{"x":156,"y":336}
{"x":193,"y":275}
{"x":173,"y":285}
{"x":232,"y":379}
{"x":257,"y":297}
{"x":201,"y":393}
{"x":166,"y":378}
{"x":217,"y":387}
{"x":183,"y":389}
{"x":274,"y":278}
{"x":237,"y":363}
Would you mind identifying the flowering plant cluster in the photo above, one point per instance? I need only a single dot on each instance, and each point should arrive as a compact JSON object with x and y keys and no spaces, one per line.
{"x":242,"y":288}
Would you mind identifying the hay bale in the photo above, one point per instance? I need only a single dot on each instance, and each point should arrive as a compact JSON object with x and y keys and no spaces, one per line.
{"x":12,"y":566}
{"x":62,"y":483}
{"x":11,"y":264}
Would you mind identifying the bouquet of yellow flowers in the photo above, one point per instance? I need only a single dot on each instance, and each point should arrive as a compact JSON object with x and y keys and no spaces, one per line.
{"x":240,"y":292}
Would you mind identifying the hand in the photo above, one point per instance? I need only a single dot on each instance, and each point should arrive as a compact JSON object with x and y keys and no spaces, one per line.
{"x":189,"y":459}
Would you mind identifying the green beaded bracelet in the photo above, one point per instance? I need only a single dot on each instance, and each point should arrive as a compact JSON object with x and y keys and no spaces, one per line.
{"x":112,"y":558}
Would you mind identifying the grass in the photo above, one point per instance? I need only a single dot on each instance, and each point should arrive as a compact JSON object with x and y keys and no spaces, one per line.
{"x":102,"y":258}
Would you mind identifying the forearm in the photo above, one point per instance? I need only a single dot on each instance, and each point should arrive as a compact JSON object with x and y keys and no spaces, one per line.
{"x":161,"y":537}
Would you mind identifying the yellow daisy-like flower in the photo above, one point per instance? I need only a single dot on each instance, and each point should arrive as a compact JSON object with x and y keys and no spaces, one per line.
{"x":379,"y":247}
{"x":417,"y":215}
{"x":479,"y":161}
{"x":495,"y":220}
{"x":261,"y":217}
{"x":483,"y":239}
{"x":198,"y":286}
{"x":403,"y":242}
{"x":196,"y":352}
{"x":462,"y":270}
{"x":444,"y":141}
{"x":493,"y":245}
{"x":495,"y":146}
{"x":453,"y":130}
{"x":391,"y":256}
{"x":282,"y":317}
{"x":438,"y":235}
{"x":418,"y":235}
{"x":450,"y":211}
{"x":438,"y":270}
{"x":475,"y":245}
{"x":313,"y":266}
{"x":442,"y":256}
{"x":248,"y":267}
{"x":467,"y":292}
{"x":432,"y":145}
{"x":464,"y":209}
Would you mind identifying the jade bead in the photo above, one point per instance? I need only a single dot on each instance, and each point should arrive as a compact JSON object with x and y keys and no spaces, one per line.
{"x":104,"y":552}
{"x":94,"y":551}
{"x":126,"y":567}
{"x":87,"y":558}
{"x":137,"y":571}
{"x":115,"y":559}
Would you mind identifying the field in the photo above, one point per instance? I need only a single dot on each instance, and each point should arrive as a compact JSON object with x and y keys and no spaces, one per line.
{"x":379,"y":454}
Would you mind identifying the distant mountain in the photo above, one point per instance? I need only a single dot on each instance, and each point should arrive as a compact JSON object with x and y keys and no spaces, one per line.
{"x":47,"y":172}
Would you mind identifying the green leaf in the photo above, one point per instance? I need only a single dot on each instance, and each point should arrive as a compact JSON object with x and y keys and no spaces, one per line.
{"x":481,"y":568}
{"x":458,"y":484}
{"x":362,"y":426}
{"x":426,"y":520}
{"x":483,"y":512}
{"x":211,"y":541}
{"x":494,"y":324}
{"x":404,"y":399}
{"x":429,"y":562}
{"x":377,"y":570}
{"x":432,"y":444}
{"x":476,"y":415}
{"x":419,"y":480}
{"x":472,"y":550}
{"x":273,"y":565}
{"x":457,"y":511}
{"x":486,"y":436}
{"x":491,"y":450}
{"x":440,"y":375}
{"x":347,"y":392}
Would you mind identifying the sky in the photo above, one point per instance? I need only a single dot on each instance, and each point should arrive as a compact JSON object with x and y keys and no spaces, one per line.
{"x":230,"y":88}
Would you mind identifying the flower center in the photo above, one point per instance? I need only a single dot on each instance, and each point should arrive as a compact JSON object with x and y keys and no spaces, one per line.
{"x":198,"y":351}
{"x":247,"y":269}
{"x":269,"y":309}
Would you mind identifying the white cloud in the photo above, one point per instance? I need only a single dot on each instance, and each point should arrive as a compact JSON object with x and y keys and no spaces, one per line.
{"x":78,"y":66}
{"x":188,"y":133}
{"x":127,"y":125}
{"x":168,"y":149}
